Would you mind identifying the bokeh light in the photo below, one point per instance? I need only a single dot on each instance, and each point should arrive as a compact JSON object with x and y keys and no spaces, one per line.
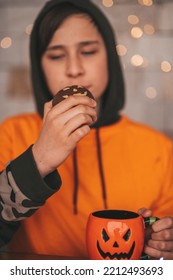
{"x":145,"y":2}
{"x":6,"y":42}
{"x":149,"y":29}
{"x":151,"y":92}
{"x":136,"y":32}
{"x":28,"y":29}
{"x":137,"y":60}
{"x":166,"y":66}
{"x":132,"y":19}
{"x":121,"y":50}
{"x":108,"y":3}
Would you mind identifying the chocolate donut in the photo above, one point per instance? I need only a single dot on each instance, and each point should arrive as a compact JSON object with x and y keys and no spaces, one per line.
{"x":71,"y":90}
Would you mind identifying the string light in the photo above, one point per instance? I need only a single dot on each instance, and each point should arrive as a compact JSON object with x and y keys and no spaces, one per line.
{"x":136,"y":32}
{"x":28,"y":29}
{"x":121,"y":50}
{"x":149,"y":29}
{"x":148,"y":2}
{"x":137,"y":60}
{"x":151,"y":92}
{"x":132,"y":19}
{"x":166,"y":66}
{"x":6,"y":43}
{"x":145,"y":2}
{"x":108,"y":3}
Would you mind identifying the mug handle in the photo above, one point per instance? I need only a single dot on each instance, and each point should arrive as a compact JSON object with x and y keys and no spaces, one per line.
{"x":148,"y":222}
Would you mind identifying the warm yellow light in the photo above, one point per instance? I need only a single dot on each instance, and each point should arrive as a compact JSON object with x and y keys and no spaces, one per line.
{"x":132,"y":19}
{"x":137,"y":60}
{"x":166,"y":66}
{"x":148,"y":2}
{"x":136,"y":32}
{"x":121,"y":50}
{"x":145,"y":2}
{"x":6,"y":42}
{"x":28,"y":29}
{"x":149,"y":29}
{"x":151,"y":92}
{"x":108,"y":3}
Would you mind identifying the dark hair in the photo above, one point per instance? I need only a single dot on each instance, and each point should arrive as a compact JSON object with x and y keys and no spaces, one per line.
{"x":52,"y":20}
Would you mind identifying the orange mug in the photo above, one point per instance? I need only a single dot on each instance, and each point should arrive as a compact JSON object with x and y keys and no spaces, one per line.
{"x":116,"y":235}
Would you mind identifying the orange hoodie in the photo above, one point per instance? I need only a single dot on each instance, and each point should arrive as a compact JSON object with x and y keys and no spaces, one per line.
{"x":138,"y":172}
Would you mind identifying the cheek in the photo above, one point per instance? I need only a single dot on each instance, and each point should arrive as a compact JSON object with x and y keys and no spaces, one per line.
{"x":53,"y":75}
{"x":54,"y":82}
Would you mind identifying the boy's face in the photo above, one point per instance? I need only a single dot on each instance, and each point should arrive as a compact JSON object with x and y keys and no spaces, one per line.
{"x":76,"y":55}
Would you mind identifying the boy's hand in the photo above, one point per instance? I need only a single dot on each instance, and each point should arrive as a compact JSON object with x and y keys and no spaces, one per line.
{"x":64,"y":125}
{"x":159,"y":242}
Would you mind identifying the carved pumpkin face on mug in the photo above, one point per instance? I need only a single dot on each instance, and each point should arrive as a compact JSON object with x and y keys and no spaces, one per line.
{"x":115,"y":236}
{"x":117,"y":241}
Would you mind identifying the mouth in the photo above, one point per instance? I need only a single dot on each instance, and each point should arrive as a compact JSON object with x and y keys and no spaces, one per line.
{"x":118,"y":256}
{"x":86,"y":86}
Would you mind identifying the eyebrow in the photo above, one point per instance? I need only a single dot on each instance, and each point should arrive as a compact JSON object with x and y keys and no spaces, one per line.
{"x":85,"y":43}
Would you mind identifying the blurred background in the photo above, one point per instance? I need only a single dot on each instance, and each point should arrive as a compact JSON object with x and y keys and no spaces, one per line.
{"x":144,"y":32}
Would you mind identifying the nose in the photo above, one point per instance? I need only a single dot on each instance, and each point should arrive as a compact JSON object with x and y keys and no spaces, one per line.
{"x":74,"y":67}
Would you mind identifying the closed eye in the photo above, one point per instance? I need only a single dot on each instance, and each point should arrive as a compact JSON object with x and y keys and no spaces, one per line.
{"x":88,"y":52}
{"x":54,"y":57}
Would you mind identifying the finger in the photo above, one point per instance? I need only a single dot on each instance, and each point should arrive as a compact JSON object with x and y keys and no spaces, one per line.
{"x":145,"y":212}
{"x":157,"y":254}
{"x":77,"y":111}
{"x":160,"y":245}
{"x":164,"y":223}
{"x":79,"y":133}
{"x":77,"y":122}
{"x":166,"y":234}
{"x":72,"y":101}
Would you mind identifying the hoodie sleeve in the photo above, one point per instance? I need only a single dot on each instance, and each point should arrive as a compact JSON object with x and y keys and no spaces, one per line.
{"x":22,"y":192}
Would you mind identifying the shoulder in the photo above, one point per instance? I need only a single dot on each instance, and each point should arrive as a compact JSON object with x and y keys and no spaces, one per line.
{"x":145,"y":134}
{"x":22,"y":120}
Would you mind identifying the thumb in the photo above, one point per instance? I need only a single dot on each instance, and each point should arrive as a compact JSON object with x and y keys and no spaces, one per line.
{"x":145,"y":212}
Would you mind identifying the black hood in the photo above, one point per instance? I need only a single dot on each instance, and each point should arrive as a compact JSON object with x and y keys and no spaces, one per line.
{"x":113,"y":97}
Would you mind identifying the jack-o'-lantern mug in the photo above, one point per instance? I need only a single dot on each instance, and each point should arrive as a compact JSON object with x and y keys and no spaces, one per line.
{"x":116,"y":235}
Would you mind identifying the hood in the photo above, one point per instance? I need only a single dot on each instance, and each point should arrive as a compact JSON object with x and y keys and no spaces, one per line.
{"x":112,"y":100}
